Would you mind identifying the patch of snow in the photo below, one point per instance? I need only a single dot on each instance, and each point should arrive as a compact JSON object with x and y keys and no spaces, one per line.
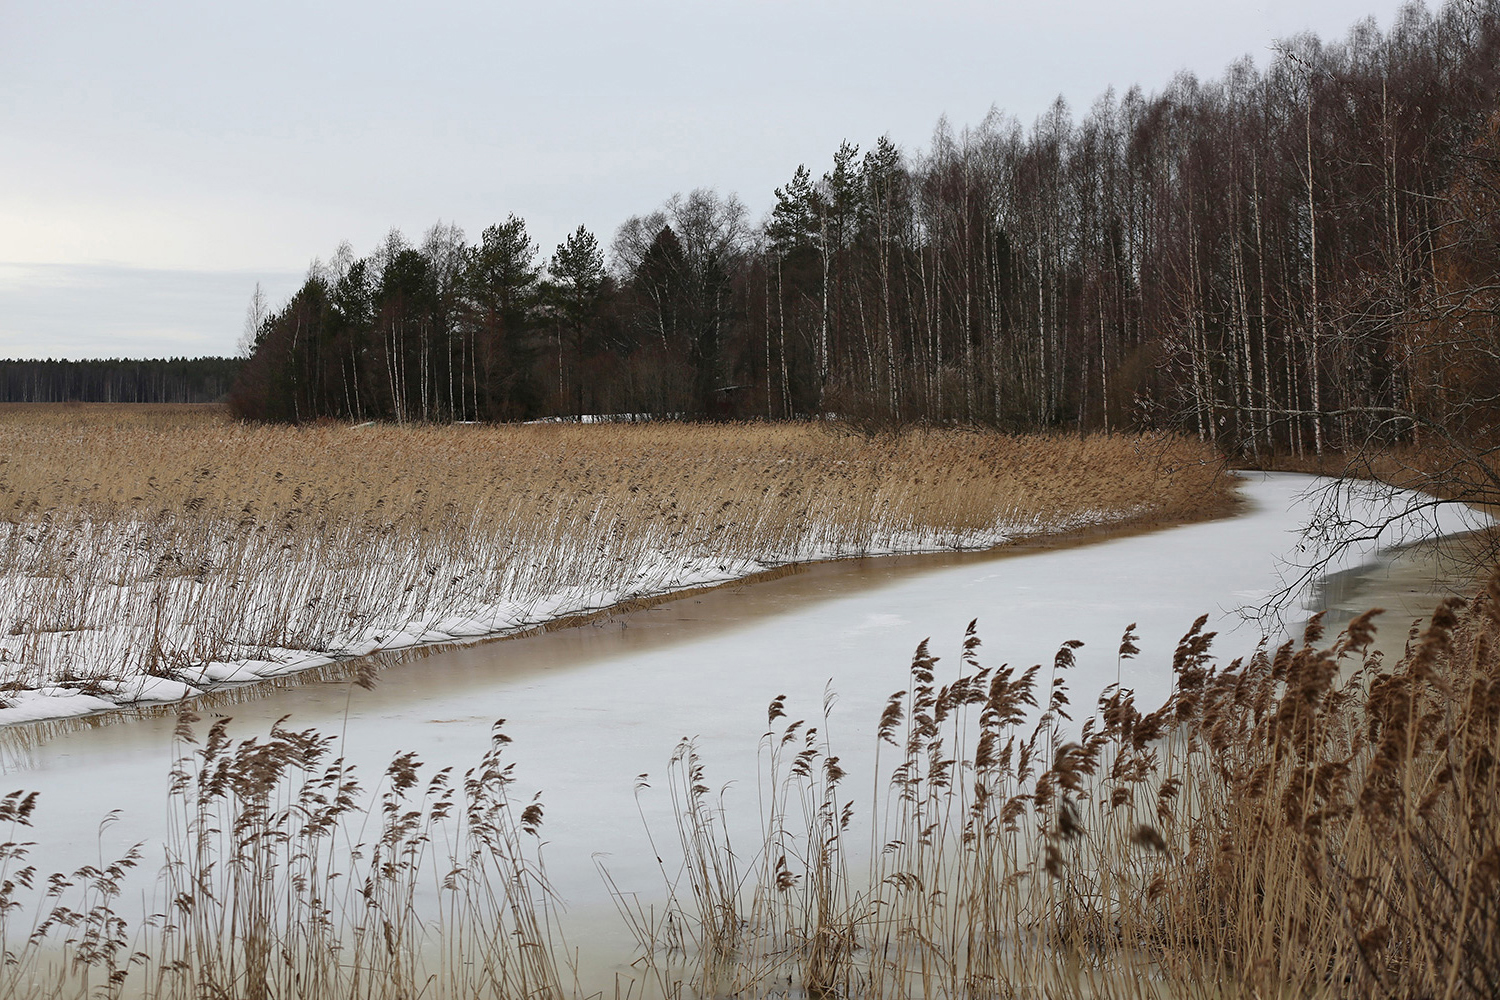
{"x":50,"y":703}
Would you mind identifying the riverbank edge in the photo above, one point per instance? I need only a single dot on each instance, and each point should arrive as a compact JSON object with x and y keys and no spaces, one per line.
{"x":353,"y":667}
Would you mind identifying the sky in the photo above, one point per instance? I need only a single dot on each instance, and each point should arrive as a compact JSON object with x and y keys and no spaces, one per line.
{"x":158,"y":159}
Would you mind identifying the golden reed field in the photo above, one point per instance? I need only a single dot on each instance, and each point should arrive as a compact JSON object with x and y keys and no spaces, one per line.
{"x":171,"y":543}
{"x":141,"y":461}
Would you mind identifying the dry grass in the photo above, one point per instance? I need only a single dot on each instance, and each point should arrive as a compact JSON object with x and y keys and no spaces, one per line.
{"x":1270,"y":831}
{"x":284,"y":878}
{"x":151,"y":541}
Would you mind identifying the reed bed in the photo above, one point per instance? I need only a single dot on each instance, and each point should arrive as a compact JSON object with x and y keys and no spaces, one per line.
{"x":1302,"y":822}
{"x":149,"y":552}
{"x":284,"y":877}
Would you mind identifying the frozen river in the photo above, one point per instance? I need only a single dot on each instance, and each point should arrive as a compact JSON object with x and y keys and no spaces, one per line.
{"x":592,"y":708}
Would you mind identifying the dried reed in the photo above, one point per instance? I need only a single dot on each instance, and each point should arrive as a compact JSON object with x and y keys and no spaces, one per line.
{"x":274,"y":887}
{"x":1300,"y":823}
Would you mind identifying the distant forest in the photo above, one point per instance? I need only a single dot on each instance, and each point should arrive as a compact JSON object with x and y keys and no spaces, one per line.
{"x":163,"y":380}
{"x":1288,"y":258}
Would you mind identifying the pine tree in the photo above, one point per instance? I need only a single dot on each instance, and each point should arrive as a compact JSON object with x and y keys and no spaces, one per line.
{"x":577,"y":271}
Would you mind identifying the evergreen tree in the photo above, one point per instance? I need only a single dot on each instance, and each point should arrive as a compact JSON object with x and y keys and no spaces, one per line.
{"x":500,"y":319}
{"x":577,"y":271}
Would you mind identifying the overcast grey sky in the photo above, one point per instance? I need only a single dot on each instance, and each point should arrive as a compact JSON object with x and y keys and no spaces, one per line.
{"x":158,"y":158}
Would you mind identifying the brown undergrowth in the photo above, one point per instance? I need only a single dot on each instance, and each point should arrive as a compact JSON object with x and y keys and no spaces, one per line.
{"x":1466,"y":472}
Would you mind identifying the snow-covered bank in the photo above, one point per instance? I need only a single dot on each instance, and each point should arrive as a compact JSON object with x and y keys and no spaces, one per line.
{"x":127,"y":628}
{"x":92,"y":679}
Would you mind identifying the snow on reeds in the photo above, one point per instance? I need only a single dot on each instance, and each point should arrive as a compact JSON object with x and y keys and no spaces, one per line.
{"x":149,"y":552}
{"x":1304,"y":822}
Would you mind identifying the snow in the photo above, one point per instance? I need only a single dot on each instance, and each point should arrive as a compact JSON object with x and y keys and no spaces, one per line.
{"x":143,"y":688}
{"x":51,"y":703}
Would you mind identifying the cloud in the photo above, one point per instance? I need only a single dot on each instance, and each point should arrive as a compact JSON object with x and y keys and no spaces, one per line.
{"x":100,"y":310}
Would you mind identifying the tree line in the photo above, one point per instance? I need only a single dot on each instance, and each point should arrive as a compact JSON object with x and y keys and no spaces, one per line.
{"x":118,"y":380}
{"x":1294,"y":258}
